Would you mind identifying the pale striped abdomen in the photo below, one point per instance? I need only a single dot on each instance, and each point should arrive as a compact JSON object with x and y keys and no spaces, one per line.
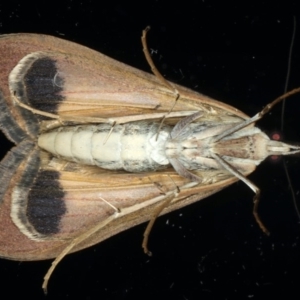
{"x":132,"y":147}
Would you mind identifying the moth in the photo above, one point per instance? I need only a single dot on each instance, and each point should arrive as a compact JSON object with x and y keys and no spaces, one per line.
{"x":102,"y":147}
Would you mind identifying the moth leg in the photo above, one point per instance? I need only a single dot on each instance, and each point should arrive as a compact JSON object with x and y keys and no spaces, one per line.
{"x":33,"y":110}
{"x":141,"y":117}
{"x":61,"y":120}
{"x":248,"y":182}
{"x":159,"y":186}
{"x":158,"y":75}
{"x":116,"y":209}
{"x":65,"y":120}
{"x":183,"y":123}
{"x":110,"y":132}
{"x":183,"y":171}
{"x":156,"y":214}
{"x":167,"y":200}
{"x":152,"y":65}
{"x":72,"y":244}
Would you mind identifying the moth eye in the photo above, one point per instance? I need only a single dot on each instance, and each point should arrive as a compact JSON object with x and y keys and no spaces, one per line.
{"x":277,"y":136}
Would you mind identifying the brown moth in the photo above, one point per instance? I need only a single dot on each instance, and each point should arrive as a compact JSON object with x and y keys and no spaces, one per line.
{"x":92,"y":156}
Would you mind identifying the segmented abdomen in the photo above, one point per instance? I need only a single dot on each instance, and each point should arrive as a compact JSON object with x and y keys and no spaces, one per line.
{"x":132,"y":147}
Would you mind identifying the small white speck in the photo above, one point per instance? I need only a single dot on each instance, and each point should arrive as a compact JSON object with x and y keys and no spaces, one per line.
{"x":153,"y":51}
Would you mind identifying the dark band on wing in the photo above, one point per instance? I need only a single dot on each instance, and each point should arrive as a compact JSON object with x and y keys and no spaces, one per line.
{"x":10,"y":164}
{"x":46,"y":206}
{"x":36,"y":82}
{"x":44,"y":85}
{"x":38,"y":200}
{"x":8,"y":123}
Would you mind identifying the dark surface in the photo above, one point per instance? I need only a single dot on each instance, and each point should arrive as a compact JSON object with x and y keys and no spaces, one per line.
{"x":212,"y":249}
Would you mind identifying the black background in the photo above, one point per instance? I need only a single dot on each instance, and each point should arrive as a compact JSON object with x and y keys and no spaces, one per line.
{"x":212,"y":249}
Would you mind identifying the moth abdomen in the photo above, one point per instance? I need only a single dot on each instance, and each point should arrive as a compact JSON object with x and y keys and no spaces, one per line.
{"x":131,"y":147}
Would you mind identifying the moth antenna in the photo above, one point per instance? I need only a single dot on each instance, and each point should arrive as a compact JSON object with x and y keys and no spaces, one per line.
{"x":269,"y":106}
{"x":256,"y":117}
{"x":287,"y":79}
{"x":158,"y":75}
{"x":282,"y":115}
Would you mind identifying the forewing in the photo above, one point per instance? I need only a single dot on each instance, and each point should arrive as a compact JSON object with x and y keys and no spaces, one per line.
{"x":64,"y":78}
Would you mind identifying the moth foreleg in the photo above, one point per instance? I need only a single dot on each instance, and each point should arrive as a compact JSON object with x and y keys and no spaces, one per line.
{"x":183,"y":123}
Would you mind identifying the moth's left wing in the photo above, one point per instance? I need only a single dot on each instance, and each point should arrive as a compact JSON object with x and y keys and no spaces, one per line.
{"x":70,"y":80}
